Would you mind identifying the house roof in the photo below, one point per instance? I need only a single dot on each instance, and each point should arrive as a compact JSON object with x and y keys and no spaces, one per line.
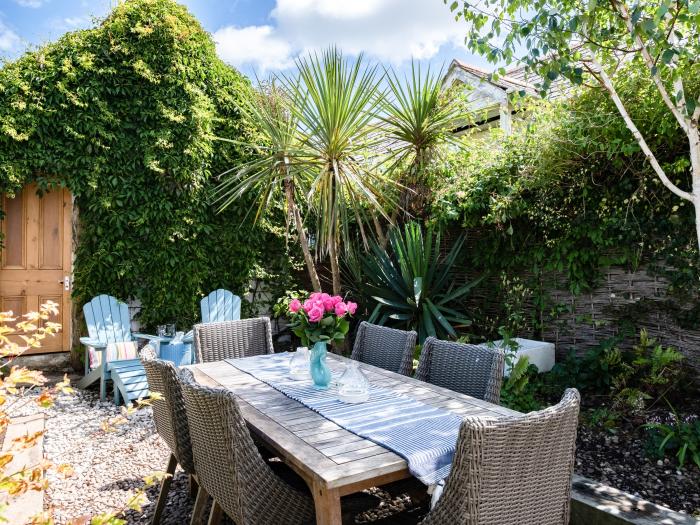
{"x":507,"y":82}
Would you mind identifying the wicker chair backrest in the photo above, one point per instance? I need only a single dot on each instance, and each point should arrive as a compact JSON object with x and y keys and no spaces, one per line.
{"x":384,"y":347}
{"x":474,"y":370}
{"x":232,"y":339}
{"x":513,"y":470}
{"x":169,"y":410}
{"x":229,"y":466}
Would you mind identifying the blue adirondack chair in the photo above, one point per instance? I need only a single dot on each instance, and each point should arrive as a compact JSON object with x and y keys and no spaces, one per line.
{"x":220,"y":305}
{"x":108,"y":325}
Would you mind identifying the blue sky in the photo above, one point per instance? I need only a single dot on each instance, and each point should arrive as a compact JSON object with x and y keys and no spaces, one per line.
{"x":264,"y":36}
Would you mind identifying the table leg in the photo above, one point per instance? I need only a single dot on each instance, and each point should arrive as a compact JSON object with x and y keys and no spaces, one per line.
{"x":327,"y":502}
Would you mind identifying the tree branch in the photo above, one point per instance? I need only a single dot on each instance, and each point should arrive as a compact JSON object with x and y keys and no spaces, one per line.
{"x":621,"y":8}
{"x":599,"y":73}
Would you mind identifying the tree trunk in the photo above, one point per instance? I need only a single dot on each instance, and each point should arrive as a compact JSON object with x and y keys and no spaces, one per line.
{"x":335,"y":268}
{"x":691,"y":131}
{"x":694,"y":143}
{"x":303,"y":240}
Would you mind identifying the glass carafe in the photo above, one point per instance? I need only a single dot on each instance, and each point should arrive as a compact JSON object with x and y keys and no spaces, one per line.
{"x":299,"y":364}
{"x":353,"y":385}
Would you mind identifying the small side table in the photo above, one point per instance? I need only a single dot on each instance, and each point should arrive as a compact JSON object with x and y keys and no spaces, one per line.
{"x":178,"y":353}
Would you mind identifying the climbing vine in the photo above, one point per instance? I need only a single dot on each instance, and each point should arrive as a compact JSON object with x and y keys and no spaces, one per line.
{"x":570,"y":193}
{"x":124,"y":115}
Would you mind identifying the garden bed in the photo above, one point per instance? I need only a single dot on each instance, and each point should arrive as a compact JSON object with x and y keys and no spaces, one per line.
{"x":622,"y":460}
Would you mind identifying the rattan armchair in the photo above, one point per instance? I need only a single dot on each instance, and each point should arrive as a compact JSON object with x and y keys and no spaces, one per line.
{"x":171,"y":424}
{"x":384,"y":347}
{"x":512,"y":471}
{"x":229,"y":466}
{"x":474,"y":370}
{"x":232,"y":339}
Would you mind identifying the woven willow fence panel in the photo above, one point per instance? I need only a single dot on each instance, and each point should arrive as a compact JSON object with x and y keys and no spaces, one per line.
{"x":592,"y":317}
{"x":583,"y":321}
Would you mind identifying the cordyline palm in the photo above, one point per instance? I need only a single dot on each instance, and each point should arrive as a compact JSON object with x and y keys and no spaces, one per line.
{"x":336,"y":102}
{"x":278,"y":164}
{"x":418,"y":117}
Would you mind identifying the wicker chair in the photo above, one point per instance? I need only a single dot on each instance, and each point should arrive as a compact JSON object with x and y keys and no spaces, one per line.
{"x":232,"y":339}
{"x":474,"y":370}
{"x":386,"y":348}
{"x":229,"y":466}
{"x":171,"y":423}
{"x":513,"y":470}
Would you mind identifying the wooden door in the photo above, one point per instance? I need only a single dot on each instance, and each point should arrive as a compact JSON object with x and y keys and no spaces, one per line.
{"x":37,"y":256}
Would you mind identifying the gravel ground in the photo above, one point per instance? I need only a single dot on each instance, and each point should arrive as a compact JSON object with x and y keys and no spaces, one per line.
{"x":619,"y":460}
{"x":108,"y":466}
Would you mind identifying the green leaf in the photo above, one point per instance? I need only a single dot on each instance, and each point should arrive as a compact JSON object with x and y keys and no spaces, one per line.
{"x":667,"y":56}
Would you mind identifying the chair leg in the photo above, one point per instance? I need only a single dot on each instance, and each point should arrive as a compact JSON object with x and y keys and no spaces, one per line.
{"x":103,"y":389}
{"x":164,"y":489}
{"x":194,"y":486}
{"x":200,"y":505}
{"x":216,"y":514}
{"x":117,"y":395}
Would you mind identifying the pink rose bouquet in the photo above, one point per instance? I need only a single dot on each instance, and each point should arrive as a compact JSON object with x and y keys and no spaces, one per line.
{"x":320,"y":317}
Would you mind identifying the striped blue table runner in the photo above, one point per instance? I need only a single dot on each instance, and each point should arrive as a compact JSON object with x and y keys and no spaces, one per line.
{"x":424,"y":436}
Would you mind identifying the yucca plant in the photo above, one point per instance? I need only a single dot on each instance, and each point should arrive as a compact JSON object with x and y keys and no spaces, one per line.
{"x":418,"y":118}
{"x":336,"y":103}
{"x":413,"y":285}
{"x":278,"y":167}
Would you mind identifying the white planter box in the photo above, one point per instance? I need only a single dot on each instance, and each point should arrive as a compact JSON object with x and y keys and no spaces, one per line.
{"x":541,"y":354}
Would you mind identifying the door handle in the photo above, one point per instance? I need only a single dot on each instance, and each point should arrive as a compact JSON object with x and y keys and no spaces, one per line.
{"x":66,"y":283}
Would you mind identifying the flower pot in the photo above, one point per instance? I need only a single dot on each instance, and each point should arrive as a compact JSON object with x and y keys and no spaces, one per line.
{"x":320,"y":373}
{"x":540,"y":353}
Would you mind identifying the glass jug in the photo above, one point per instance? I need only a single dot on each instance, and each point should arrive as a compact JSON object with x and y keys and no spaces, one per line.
{"x":353,"y":385}
{"x":299,"y":364}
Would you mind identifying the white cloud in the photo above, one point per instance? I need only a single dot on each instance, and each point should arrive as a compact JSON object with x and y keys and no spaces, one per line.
{"x":35,"y":4}
{"x":389,"y":30}
{"x":76,"y":21}
{"x":9,"y":40}
{"x":253,"y":45}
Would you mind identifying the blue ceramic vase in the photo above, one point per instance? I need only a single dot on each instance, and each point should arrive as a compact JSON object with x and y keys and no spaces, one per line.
{"x":320,"y":373}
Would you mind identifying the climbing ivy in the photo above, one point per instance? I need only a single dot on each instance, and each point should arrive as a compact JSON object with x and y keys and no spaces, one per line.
{"x":570,"y":192}
{"x":124,"y":115}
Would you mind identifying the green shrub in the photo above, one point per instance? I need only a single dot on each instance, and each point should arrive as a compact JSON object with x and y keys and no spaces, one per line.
{"x":629,"y":379}
{"x":593,"y":373}
{"x":680,"y":438}
{"x":124,"y":115}
{"x":410,"y":285}
{"x":521,"y":388}
{"x":649,"y":372}
{"x":570,"y":194}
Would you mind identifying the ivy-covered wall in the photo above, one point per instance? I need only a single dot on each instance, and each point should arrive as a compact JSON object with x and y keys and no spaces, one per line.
{"x":125,"y":116}
{"x":568,"y":200}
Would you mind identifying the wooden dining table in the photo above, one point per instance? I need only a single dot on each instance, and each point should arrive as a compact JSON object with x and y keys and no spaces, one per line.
{"x":333,"y":461}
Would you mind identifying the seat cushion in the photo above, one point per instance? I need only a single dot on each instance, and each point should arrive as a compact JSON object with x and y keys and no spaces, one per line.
{"x":113,"y":352}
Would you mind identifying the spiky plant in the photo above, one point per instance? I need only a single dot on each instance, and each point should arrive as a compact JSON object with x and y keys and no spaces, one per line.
{"x":278,"y":167}
{"x":336,"y":103}
{"x":418,"y":118}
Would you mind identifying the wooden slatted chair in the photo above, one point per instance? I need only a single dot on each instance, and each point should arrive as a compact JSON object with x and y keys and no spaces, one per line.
{"x":220,"y":305}
{"x":111,"y":350}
